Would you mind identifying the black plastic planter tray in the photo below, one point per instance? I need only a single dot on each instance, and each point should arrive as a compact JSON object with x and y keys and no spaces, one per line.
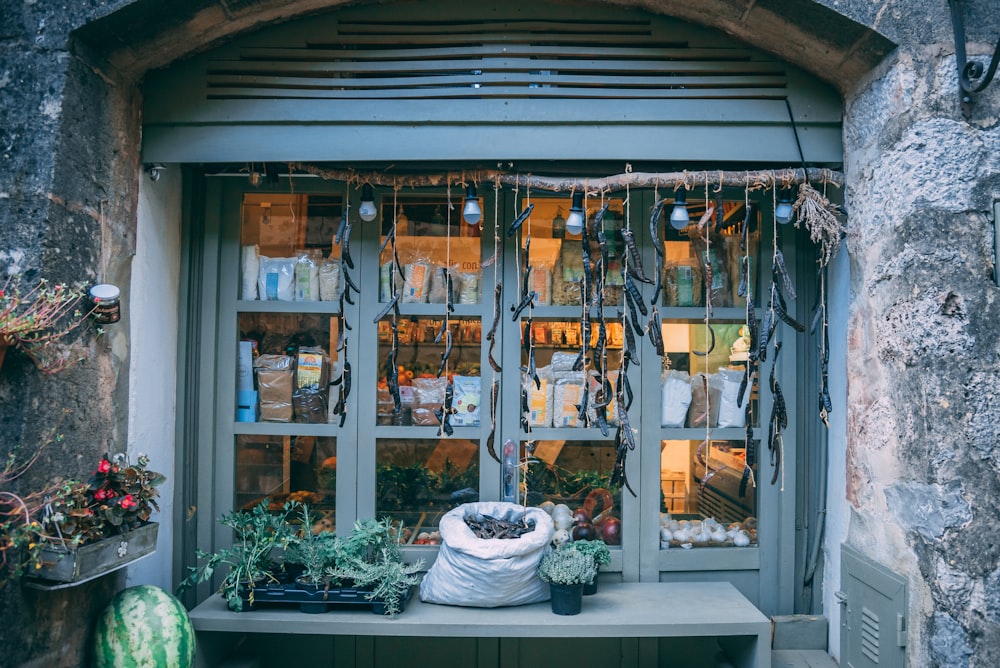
{"x":320,"y":601}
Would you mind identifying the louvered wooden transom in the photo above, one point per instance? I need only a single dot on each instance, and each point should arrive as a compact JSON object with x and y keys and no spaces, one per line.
{"x":505,"y":58}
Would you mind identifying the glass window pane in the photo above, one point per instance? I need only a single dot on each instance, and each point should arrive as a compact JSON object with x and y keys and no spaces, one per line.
{"x":284,"y":468}
{"x":556,"y":253}
{"x":706,"y":510}
{"x":686,"y":253}
{"x":287,"y":250}
{"x":698,"y":386}
{"x":294,"y":356}
{"x":577,"y":474}
{"x":418,"y":360}
{"x":428,"y":241}
{"x":419,"y":480}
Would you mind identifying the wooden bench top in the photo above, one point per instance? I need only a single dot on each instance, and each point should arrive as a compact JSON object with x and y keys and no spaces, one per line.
{"x":618,"y":610}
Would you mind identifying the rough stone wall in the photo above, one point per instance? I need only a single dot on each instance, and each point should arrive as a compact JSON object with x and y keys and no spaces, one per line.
{"x":923,"y":470}
{"x":68,"y":152}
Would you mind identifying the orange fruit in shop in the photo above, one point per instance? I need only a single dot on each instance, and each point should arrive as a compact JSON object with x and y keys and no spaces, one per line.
{"x":330,"y":463}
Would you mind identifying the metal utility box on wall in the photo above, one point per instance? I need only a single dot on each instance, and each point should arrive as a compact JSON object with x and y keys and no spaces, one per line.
{"x":873,"y":613}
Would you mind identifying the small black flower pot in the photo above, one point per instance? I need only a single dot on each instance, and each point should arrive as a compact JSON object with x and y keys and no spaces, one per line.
{"x":316,"y":595}
{"x":590,"y":588}
{"x":566,"y":599}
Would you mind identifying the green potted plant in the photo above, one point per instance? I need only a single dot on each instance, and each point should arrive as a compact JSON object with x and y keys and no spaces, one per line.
{"x":370,"y":558}
{"x":567,"y":571}
{"x":70,"y":531}
{"x":256,"y":533}
{"x":315,"y":551}
{"x":599,"y":552}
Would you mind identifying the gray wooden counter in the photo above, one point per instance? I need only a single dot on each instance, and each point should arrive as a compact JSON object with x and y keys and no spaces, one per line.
{"x":624,"y":610}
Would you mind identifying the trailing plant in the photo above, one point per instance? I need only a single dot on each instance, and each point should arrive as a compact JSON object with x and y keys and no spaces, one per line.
{"x":41,"y":320}
{"x":567,"y":566}
{"x":256,"y":533}
{"x":371,"y":558}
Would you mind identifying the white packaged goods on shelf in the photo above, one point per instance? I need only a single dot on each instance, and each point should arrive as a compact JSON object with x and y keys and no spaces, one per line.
{"x":540,"y":398}
{"x":417,"y":277}
{"x":675,"y":398}
{"x":563,"y":361}
{"x":488,"y":572}
{"x":593,"y":386}
{"x":468,"y":394}
{"x":428,"y":396}
{"x":251,"y":267}
{"x":467,"y":286}
{"x":706,"y":394}
{"x":730,"y":414}
{"x":306,"y":279}
{"x":329,"y":280}
{"x":276,"y":278}
{"x":437,"y":293}
{"x":566,"y":397}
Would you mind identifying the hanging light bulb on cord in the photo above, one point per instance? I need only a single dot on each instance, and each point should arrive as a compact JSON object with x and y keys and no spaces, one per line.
{"x":679,"y":217}
{"x":471,"y":212}
{"x":574,"y":224}
{"x":783,"y":211}
{"x":367,"y":210}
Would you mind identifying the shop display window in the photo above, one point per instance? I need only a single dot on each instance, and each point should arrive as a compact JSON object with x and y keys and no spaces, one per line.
{"x":432,"y":241}
{"x":575,"y":474}
{"x":704,"y":501}
{"x":688,"y":251}
{"x":279,"y":469}
{"x":419,"y":480}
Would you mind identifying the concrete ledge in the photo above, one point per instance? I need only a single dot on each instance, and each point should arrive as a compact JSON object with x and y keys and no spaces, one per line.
{"x":623,"y":610}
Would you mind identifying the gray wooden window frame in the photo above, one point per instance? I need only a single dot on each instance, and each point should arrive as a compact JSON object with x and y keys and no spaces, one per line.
{"x":762,"y":573}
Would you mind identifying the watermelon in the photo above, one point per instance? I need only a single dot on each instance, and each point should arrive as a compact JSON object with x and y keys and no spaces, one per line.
{"x":144,"y":626}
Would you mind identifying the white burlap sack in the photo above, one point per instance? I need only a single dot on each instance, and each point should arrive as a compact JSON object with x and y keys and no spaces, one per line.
{"x":487,"y":573}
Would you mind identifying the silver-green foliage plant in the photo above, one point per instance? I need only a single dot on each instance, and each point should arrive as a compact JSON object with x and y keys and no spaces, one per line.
{"x":371,"y":558}
{"x":597,"y":549}
{"x":315,"y":552}
{"x":256,"y":533}
{"x":567,"y":566}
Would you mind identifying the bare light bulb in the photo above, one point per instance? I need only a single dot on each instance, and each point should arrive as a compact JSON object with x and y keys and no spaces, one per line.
{"x":367,"y":210}
{"x":783,"y":211}
{"x":575,"y":221}
{"x":471,"y":211}
{"x":679,"y":217}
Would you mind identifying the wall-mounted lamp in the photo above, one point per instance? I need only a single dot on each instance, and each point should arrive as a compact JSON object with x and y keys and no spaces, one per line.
{"x":367,"y":210}
{"x":154,"y":170}
{"x":969,"y":70}
{"x":679,"y":217}
{"x":574,"y":224}
{"x":471,"y":212}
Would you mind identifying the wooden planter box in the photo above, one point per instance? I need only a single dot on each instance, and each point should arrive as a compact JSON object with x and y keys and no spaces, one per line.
{"x":62,"y":567}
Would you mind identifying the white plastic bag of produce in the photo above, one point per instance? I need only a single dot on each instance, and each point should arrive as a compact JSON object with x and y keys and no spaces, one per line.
{"x":488,"y":572}
{"x":730,"y":414}
{"x":676,"y":398}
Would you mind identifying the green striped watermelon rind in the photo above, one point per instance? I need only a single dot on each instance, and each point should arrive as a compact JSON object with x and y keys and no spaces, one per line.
{"x":144,"y":626}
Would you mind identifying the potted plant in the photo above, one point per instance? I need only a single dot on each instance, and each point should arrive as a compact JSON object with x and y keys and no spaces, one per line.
{"x":72,"y":531}
{"x":599,"y":552}
{"x":315,"y":552}
{"x":256,"y":533}
{"x":371,"y":559}
{"x":39,"y":321}
{"x":567,"y":571}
